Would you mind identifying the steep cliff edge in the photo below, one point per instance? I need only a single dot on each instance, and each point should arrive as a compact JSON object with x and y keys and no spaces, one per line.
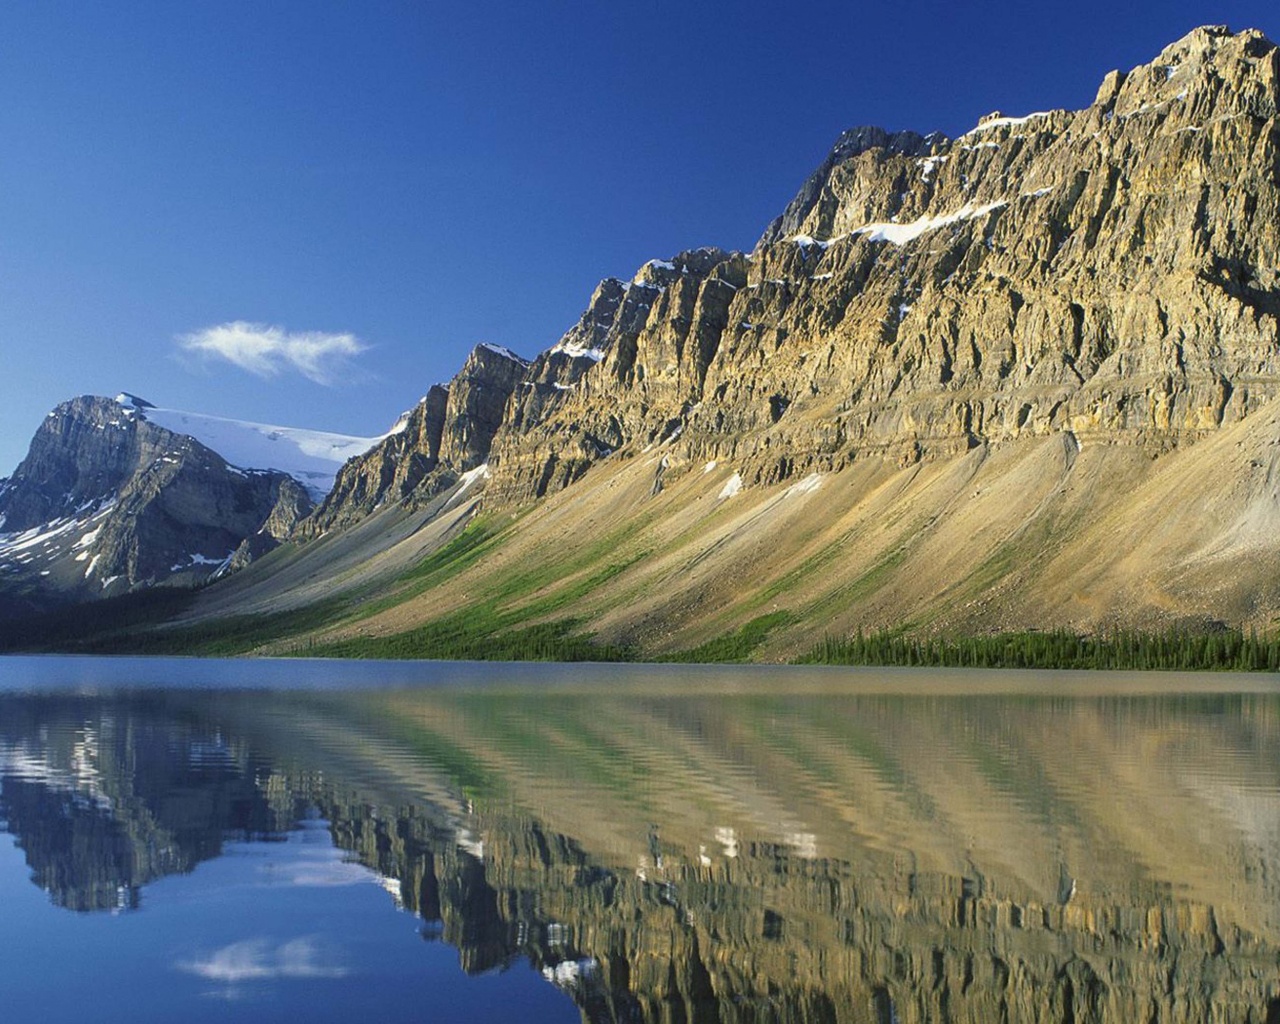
{"x":445,"y":436}
{"x":1109,"y":273}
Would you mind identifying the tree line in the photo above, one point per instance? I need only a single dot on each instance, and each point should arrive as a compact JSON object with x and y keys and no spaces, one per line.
{"x":1176,"y":650}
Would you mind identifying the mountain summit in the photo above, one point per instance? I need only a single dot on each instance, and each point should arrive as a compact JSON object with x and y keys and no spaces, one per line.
{"x":107,"y":501}
{"x":1024,"y":377}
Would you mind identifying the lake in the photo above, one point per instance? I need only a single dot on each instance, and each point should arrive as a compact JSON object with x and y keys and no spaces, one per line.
{"x":299,"y":840}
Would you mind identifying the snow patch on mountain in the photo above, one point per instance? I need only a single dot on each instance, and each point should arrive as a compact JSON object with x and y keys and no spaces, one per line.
{"x":733,"y":487}
{"x":810,"y":483}
{"x":402,"y":421}
{"x":312,"y":457}
{"x":468,"y":478}
{"x":901,"y":234}
{"x":502,"y":350}
{"x":579,"y":351}
{"x":989,"y":123}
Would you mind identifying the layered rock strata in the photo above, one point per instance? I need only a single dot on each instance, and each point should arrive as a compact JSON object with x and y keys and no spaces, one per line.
{"x":446,"y":435}
{"x":1107,"y":273}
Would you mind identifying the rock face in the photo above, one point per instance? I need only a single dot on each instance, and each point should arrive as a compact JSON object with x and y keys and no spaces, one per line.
{"x":1110,"y":272}
{"x":640,"y":357}
{"x":106,"y":501}
{"x":447,"y":434}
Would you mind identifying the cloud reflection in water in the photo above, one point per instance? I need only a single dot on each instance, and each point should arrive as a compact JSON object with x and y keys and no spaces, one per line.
{"x":261,"y":960}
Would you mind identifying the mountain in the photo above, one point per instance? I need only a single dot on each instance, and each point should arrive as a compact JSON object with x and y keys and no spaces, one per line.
{"x":107,"y":500}
{"x":1099,"y":276}
{"x":119,"y":494}
{"x":1025,"y":377}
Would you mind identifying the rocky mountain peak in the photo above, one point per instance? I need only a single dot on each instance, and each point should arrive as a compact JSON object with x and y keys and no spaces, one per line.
{"x":477,"y":400}
{"x":1210,"y":72}
{"x":1205,"y":41}
{"x":857,"y":140}
{"x":487,"y":360}
{"x":874,"y":176}
{"x":605,"y":300}
{"x":861,"y":150}
{"x":80,"y":455}
{"x":446,"y":435}
{"x":106,"y":500}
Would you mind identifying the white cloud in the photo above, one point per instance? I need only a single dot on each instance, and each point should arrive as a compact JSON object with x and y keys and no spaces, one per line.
{"x":268,"y":350}
{"x":259,"y":960}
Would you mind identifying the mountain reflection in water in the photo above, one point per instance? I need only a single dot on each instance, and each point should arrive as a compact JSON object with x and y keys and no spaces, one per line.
{"x":747,"y":855}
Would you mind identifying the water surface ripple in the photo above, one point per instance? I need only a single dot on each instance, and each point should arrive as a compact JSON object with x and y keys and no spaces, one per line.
{"x":263,"y":841}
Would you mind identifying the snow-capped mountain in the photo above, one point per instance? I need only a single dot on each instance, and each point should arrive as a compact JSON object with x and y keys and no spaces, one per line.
{"x":116,"y":494}
{"x":108,"y":500}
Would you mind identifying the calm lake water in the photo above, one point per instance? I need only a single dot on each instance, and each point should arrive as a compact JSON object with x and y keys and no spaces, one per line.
{"x":290,"y":841}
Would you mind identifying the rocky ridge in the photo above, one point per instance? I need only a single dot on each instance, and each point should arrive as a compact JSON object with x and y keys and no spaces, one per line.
{"x":1010,"y":363}
{"x":445,"y":436}
{"x":1111,"y":274}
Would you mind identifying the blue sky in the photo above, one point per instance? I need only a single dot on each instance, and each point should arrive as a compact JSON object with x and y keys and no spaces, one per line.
{"x":390,"y":183}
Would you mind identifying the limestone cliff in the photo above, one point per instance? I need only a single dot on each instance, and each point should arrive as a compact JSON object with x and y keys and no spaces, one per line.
{"x":1109,"y":273}
{"x":447,"y":434}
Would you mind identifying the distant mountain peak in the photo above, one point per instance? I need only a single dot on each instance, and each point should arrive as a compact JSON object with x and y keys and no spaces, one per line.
{"x":108,"y":500}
